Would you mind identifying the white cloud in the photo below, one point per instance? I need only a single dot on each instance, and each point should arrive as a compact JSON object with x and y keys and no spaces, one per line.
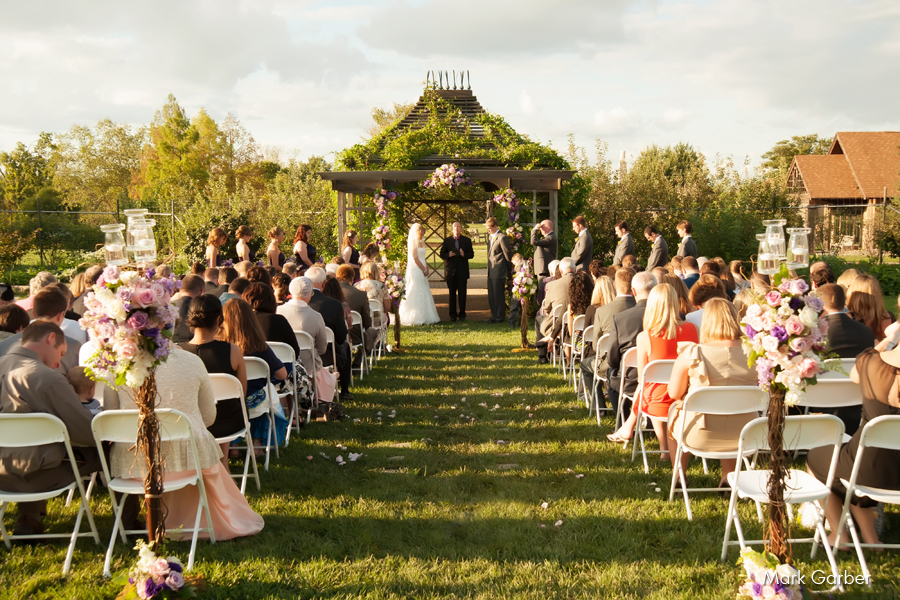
{"x":676,"y":116}
{"x":526,"y":104}
{"x":616,"y":121}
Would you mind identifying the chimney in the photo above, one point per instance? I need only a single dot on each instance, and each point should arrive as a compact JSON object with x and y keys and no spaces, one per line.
{"x":623,"y":166}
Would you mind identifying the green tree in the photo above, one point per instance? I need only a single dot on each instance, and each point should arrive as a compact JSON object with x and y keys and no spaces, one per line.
{"x":778,"y":160}
{"x":26,"y":171}
{"x":384,"y":117}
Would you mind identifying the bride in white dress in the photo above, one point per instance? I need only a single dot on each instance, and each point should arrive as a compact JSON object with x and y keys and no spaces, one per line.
{"x":418,"y":306}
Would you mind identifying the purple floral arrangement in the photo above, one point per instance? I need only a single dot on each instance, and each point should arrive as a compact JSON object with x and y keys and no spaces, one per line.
{"x":130,"y":321}
{"x":524,"y":284}
{"x":153,"y":576}
{"x":448,"y":176}
{"x":394,"y":282}
{"x":785,"y":338}
{"x":382,"y":231}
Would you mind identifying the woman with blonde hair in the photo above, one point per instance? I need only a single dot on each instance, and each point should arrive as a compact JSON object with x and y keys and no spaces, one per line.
{"x":684,"y":298}
{"x":349,"y":252}
{"x":866,"y":304}
{"x":216,"y":239}
{"x":718,"y":360}
{"x":663,"y":331}
{"x":369,"y":254}
{"x":847,"y":278}
{"x":372,"y":285}
{"x":273,"y":252}
{"x":242,"y":248}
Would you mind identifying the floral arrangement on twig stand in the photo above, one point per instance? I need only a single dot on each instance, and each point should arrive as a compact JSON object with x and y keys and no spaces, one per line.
{"x":155,"y":577}
{"x":382,"y":231}
{"x":508,"y":200}
{"x":449,"y":176}
{"x":524,"y":287}
{"x":130,"y":320}
{"x":396,"y":289}
{"x":784,"y":338}
{"x":768,"y":578}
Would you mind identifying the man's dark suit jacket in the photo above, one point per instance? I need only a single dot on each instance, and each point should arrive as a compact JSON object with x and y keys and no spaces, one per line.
{"x":583,"y":253}
{"x":332,"y":313}
{"x":182,"y":332}
{"x":846,"y":337}
{"x":659,"y":254}
{"x":602,"y":320}
{"x":688,"y":248}
{"x":499,"y":257}
{"x":358,"y":301}
{"x":456,"y":265}
{"x":216,"y":290}
{"x":623,"y":249}
{"x":545,"y":249}
{"x":624,"y":331}
{"x":690,"y":280}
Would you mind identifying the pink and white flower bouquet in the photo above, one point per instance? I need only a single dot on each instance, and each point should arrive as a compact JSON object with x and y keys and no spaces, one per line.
{"x":155,"y":577}
{"x":785,"y":338}
{"x":447,"y":176}
{"x":394,"y":282}
{"x":769,"y":579}
{"x":524,"y":284}
{"x":130,"y":322}
{"x":508,"y":200}
{"x":516,"y":236}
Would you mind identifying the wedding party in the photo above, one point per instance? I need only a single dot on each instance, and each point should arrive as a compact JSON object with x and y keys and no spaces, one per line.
{"x":293,"y":306}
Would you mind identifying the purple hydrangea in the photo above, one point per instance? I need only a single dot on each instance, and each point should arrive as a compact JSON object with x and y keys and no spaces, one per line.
{"x":780,"y":333}
{"x":796,"y":303}
{"x":751,"y":333}
{"x":150,"y":588}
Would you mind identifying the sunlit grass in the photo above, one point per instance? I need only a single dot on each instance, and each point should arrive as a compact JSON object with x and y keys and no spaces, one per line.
{"x":446,"y":500}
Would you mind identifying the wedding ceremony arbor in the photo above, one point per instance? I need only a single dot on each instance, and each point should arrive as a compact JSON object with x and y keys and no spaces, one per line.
{"x":447,"y":126}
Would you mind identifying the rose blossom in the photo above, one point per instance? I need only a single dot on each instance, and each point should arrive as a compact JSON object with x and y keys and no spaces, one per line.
{"x":799,"y":344}
{"x":138,"y":320}
{"x":175,"y":580}
{"x":794,"y":326}
{"x":110,"y":274}
{"x":105,"y":331}
{"x":815,"y":303}
{"x":808,"y":368}
{"x":144,"y":297}
{"x":753,"y":310}
{"x":773,"y":298}
{"x":809,"y":317}
{"x":770,"y":343}
{"x":127,"y":349}
{"x":799,"y":286}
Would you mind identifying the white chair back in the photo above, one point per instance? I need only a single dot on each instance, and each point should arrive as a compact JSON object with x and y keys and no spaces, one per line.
{"x":882,"y":432}
{"x":226,"y":387}
{"x":844,"y":364}
{"x":20,"y":430}
{"x":803,"y":432}
{"x":588,"y":335}
{"x":656,"y":371}
{"x":283,"y":352}
{"x":832,"y":393}
{"x":257,"y":368}
{"x":578,"y":323}
{"x":726,"y":400}
{"x":603,"y":344}
{"x":307,"y":351}
{"x":356,"y":318}
{"x":377,"y":310}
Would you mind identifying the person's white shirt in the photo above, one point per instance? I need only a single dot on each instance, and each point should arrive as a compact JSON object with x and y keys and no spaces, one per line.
{"x":73,"y":330}
{"x":696,"y":318}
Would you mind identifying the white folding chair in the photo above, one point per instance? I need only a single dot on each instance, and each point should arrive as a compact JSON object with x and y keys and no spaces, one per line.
{"x":800,"y":432}
{"x":121,"y":426}
{"x":379,"y":322}
{"x":588,"y":339}
{"x":563,"y":323}
{"x":329,"y":335}
{"x":550,"y":340}
{"x":629,"y":361}
{"x":838,"y":368}
{"x":881,"y":432}
{"x":257,"y":368}
{"x":656,"y":371}
{"x":226,"y":387}
{"x":576,"y":335}
{"x":360,"y":347}
{"x":308,"y":347}
{"x":833,"y":392}
{"x":601,"y":348}
{"x":39,"y":429}
{"x":286,"y":355}
{"x":722,"y":401}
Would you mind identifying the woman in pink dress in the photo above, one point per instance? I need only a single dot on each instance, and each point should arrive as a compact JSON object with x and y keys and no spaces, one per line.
{"x":183,"y":384}
{"x":663,"y":331}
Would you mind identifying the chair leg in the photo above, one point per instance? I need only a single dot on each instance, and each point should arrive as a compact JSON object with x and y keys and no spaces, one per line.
{"x":117,"y":528}
{"x":3,"y":533}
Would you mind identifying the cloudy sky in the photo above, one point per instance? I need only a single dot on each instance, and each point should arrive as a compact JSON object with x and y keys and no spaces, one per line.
{"x":728,"y":76}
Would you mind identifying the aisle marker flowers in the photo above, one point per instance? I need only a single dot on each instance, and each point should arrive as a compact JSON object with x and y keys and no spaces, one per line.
{"x":524,"y":284}
{"x":447,"y":176}
{"x":130,"y":322}
{"x":155,"y":577}
{"x":767,"y":578}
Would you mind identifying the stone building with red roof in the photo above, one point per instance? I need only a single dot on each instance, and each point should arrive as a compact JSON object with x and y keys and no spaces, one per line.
{"x":843,"y":191}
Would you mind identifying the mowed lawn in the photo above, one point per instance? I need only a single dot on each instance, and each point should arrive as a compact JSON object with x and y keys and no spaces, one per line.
{"x":446,"y":500}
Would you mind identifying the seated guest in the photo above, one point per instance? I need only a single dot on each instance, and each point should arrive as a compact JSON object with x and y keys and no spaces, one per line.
{"x":275,"y":328}
{"x":708,"y":286}
{"x":581,"y":287}
{"x":91,"y":275}
{"x":76,"y":286}
{"x":205,"y":319}
{"x":183,"y":384}
{"x":49,"y":305}
{"x":553,"y":269}
{"x":37,"y":283}
{"x":602,"y":322}
{"x":303,"y":318}
{"x":70,"y":324}
{"x":242,"y":268}
{"x":629,"y":262}
{"x":30,"y":382}
{"x":866,"y":304}
{"x":236,"y":289}
{"x":164,"y":271}
{"x":736,"y":268}
{"x":718,"y":360}
{"x":623,"y":333}
{"x":663,"y":331}
{"x":556,"y":294}
{"x":84,"y":388}
{"x":198,"y":268}
{"x":373,"y":286}
{"x":877,"y":371}
{"x":659,"y":272}
{"x":280,"y":283}
{"x":191,"y":287}
{"x":676,"y":267}
{"x":691,"y":270}
{"x":820,"y":274}
{"x":13,"y":319}
{"x":742,"y":300}
{"x":759,"y":283}
{"x":596,"y":269}
{"x":359,"y":302}
{"x":211,"y":280}
{"x":602,"y":294}
{"x":847,"y":278}
{"x":331,"y":268}
{"x":332,"y":312}
{"x":685,"y":306}
{"x":7,"y":296}
{"x":290,"y":269}
{"x":332,"y":289}
{"x":239,"y":326}
{"x":259,"y":274}
{"x":226,"y":276}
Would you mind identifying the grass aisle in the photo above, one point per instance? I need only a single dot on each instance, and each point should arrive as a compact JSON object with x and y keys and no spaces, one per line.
{"x":446,"y":500}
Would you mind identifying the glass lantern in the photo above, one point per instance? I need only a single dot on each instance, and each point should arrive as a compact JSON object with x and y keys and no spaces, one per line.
{"x":775,"y":233}
{"x":133,"y":214}
{"x":144,"y":241}
{"x":798,"y":248}
{"x":768,"y":263}
{"x":114,"y":244}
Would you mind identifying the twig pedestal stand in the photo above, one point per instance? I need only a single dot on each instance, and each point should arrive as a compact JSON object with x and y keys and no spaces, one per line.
{"x":778,"y":472}
{"x":396,"y":313}
{"x":523,"y":325}
{"x":148,"y":446}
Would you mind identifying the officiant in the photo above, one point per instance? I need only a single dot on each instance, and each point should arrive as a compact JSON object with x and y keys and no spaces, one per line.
{"x":456,"y":251}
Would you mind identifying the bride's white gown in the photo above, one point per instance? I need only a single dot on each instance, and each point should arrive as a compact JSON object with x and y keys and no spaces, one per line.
{"x":418,"y":306}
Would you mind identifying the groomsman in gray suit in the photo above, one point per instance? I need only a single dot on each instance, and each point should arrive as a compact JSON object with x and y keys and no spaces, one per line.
{"x":499,"y":258}
{"x":625,"y":246}
{"x":583,"y":253}
{"x":659,"y":255}
{"x":545,"y":247}
{"x":687,"y":247}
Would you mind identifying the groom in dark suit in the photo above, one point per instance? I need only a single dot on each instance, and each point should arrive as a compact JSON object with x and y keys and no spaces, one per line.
{"x":456,"y":251}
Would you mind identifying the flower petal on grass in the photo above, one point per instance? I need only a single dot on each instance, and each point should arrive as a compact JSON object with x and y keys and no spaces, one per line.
{"x":558,"y":523}
{"x":545,"y":505}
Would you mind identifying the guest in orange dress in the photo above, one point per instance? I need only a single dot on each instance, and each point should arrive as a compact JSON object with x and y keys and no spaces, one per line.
{"x":663,"y":331}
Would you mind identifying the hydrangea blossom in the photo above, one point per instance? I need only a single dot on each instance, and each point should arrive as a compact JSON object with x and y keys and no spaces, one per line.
{"x":153,"y":575}
{"x":447,"y":176}
{"x":524,"y":284}
{"x":768,"y":579}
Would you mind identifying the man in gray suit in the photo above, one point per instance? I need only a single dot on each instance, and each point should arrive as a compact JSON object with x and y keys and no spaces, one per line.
{"x":545,"y":247}
{"x":625,"y":246}
{"x":584,"y":244}
{"x":687,"y":247}
{"x":50,"y":304}
{"x":556,"y":294}
{"x":659,"y":254}
{"x":499,"y":258}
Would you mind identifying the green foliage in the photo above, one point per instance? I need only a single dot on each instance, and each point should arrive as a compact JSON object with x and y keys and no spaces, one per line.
{"x":384,"y":117}
{"x":18,"y":240}
{"x":25,"y":172}
{"x":778,"y":160}
{"x":446,"y":132}
{"x":887,"y":234}
{"x":205,"y":214}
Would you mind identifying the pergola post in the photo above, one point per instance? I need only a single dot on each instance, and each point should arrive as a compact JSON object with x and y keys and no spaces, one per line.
{"x":342,"y":215}
{"x":554,"y":209}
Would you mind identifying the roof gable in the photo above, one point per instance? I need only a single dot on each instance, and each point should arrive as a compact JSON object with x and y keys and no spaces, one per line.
{"x":826,"y":176}
{"x":874,"y":159}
